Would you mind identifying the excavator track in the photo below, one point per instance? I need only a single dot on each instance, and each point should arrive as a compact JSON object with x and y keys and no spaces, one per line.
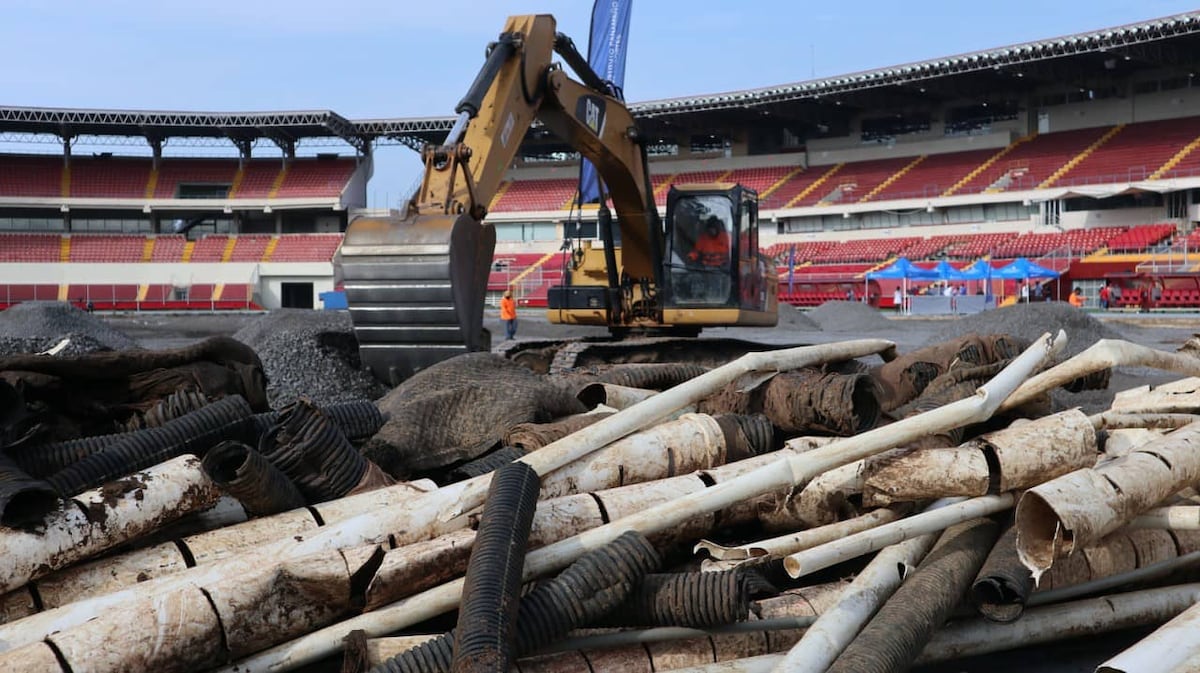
{"x":563,"y":355}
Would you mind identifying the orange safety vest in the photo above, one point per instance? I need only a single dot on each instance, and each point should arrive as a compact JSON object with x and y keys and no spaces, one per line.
{"x":712,"y":250}
{"x":1076,"y":300}
{"x":508,"y":308}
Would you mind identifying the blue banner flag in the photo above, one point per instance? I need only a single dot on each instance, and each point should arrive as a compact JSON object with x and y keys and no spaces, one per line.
{"x":606,"y":54}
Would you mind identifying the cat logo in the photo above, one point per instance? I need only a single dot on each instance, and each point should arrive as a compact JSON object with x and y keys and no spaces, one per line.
{"x":590,"y":111}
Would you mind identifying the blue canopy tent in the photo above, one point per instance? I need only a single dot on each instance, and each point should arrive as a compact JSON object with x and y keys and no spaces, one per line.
{"x":904,"y":270}
{"x":946,"y":271}
{"x":1023,"y":269}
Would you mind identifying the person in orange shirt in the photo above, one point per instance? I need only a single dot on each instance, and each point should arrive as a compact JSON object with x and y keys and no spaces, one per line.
{"x":712,"y":247}
{"x":1076,"y":298}
{"x":508,"y":313}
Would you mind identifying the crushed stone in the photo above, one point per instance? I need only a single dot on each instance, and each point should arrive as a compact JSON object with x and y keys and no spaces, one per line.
{"x":32,"y":327}
{"x":310,"y":353}
{"x":850,"y":316}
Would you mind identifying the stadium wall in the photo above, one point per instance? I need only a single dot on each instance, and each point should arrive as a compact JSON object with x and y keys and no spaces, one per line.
{"x":1126,"y":110}
{"x":829,"y":151}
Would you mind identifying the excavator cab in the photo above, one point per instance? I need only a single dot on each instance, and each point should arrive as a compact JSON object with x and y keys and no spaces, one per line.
{"x":714,"y":274}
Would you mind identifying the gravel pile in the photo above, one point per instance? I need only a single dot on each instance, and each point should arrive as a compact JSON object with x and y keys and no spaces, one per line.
{"x":1030,"y":321}
{"x":793,"y":318}
{"x":310,"y":353}
{"x":32,"y":327}
{"x":850,"y":316}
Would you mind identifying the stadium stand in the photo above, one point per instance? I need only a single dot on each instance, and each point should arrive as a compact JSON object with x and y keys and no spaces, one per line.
{"x":210,"y":248}
{"x":1032,"y":162}
{"x":107,"y":248}
{"x":833,"y":269}
{"x":855,"y":181}
{"x":934,"y":175}
{"x":315,"y":177}
{"x":535,"y":195}
{"x":106,"y":177}
{"x":255,"y":179}
{"x":172,"y":173}
{"x":35,"y":176}
{"x":1135,"y":153}
{"x":30,"y":247}
{"x":305,"y":248}
{"x":168,"y":248}
{"x":1139,"y":238}
{"x":248,"y":248}
{"x":866,"y":250}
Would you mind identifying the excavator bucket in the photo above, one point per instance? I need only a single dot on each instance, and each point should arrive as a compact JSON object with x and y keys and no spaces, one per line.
{"x":416,"y":288}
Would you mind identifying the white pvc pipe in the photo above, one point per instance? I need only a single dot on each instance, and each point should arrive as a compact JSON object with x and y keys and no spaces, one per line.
{"x":1179,"y":517}
{"x":1173,"y":644}
{"x":940,"y":516}
{"x":775,"y":476}
{"x":778,"y":547}
{"x":105,"y":517}
{"x":1103,"y":354}
{"x":837,"y":627}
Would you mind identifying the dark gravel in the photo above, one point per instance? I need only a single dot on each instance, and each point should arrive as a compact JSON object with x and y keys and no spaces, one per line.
{"x":850,"y":316}
{"x":32,"y":327}
{"x":1030,"y":321}
{"x":793,"y":318}
{"x":310,"y":353}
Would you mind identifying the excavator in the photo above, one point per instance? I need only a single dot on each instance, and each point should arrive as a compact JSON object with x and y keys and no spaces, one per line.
{"x":416,"y":284}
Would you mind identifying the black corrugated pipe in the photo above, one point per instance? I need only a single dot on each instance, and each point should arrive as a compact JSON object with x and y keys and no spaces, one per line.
{"x":24,"y":501}
{"x":486,"y":629}
{"x":310,"y":449}
{"x":175,"y":405}
{"x":1004,"y":584}
{"x":194,"y":433}
{"x":807,"y":400}
{"x":589,"y":588}
{"x":357,"y":420}
{"x":746,"y":436}
{"x":891,"y":641}
{"x":698,"y":599}
{"x":651,"y":376}
{"x":43,"y":461}
{"x":246,"y":475}
{"x":484,"y":464}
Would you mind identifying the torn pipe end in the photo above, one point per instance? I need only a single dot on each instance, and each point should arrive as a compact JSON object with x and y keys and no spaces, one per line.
{"x":1041,"y":537}
{"x":720,"y":552}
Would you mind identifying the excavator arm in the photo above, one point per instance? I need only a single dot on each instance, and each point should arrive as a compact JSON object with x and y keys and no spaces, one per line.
{"x":416,"y":283}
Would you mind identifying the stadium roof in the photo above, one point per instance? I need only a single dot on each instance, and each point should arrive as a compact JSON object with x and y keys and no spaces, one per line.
{"x":1171,"y":43}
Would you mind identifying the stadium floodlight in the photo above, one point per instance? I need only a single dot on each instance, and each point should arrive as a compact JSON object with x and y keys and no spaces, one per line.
{"x":266,"y":210}
{"x":228,"y":210}
{"x":64,"y":208}
{"x":146,"y":209}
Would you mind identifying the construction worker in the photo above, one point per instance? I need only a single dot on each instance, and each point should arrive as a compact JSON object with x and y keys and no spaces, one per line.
{"x":508,"y":313}
{"x":712,"y":247}
{"x":1076,"y":298}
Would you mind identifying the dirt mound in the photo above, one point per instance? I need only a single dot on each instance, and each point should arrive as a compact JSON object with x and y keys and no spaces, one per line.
{"x":42,"y":324}
{"x":310,"y":353}
{"x":793,"y":318}
{"x":849,"y":316}
{"x":1030,"y":321}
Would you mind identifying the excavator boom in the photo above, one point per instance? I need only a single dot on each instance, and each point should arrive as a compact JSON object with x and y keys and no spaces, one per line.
{"x":416,"y":283}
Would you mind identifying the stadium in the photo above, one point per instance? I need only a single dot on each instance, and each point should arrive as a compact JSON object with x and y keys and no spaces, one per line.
{"x":1077,"y":152}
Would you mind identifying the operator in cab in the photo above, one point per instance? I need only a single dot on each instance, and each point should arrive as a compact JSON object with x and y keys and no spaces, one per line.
{"x":712,"y":247}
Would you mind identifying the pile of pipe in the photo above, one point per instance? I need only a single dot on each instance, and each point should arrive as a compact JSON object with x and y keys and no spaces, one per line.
{"x":839,"y":507}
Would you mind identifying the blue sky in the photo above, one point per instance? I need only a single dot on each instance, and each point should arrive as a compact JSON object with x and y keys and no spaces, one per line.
{"x":399,"y":58}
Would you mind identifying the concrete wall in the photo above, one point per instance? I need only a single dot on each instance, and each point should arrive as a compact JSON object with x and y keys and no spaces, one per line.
{"x":1123,"y":217}
{"x":268,"y":277}
{"x":1112,"y":111}
{"x":828,"y":151}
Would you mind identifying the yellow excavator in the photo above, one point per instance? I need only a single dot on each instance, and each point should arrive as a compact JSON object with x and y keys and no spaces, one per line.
{"x":416,"y":284}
